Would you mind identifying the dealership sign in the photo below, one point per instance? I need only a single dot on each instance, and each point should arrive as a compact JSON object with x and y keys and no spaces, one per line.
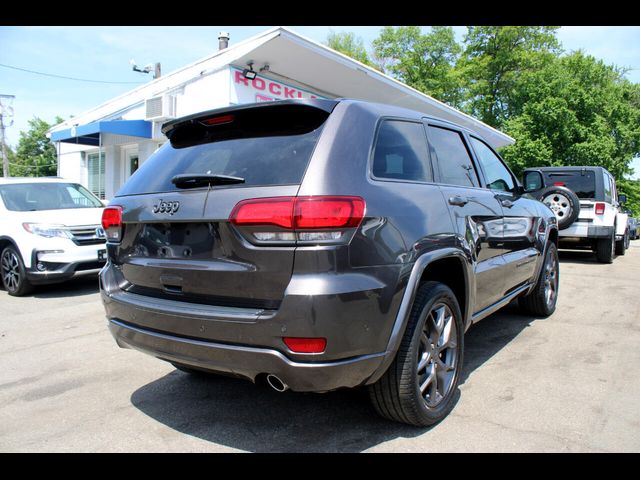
{"x":262,"y":89}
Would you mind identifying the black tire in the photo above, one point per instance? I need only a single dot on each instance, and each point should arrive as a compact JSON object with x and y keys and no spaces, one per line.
{"x":397,"y":395}
{"x":542,"y":300}
{"x":622,"y":244}
{"x":605,"y":249}
{"x":563,"y":202}
{"x":14,"y":277}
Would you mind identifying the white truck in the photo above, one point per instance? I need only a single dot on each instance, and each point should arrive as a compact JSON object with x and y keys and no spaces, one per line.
{"x":587,"y":207}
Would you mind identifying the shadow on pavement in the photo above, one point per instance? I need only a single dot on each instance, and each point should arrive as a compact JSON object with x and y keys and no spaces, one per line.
{"x":78,"y":286}
{"x":486,"y":338}
{"x":581,"y":257}
{"x":238,"y":414}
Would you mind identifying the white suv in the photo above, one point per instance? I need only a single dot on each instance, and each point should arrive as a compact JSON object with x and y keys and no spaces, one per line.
{"x":50,"y":229}
{"x":587,"y":207}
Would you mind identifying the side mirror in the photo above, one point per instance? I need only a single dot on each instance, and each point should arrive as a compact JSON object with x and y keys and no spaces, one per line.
{"x":532,"y":181}
{"x":622,"y":198}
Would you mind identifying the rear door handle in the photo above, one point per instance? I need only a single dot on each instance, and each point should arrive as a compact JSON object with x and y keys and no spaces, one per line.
{"x":458,"y":201}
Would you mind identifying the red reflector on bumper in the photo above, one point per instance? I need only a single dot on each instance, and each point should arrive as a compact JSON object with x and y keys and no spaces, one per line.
{"x":305,"y":345}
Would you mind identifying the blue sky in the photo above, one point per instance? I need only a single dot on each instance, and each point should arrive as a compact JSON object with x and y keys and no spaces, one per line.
{"x":103,"y":53}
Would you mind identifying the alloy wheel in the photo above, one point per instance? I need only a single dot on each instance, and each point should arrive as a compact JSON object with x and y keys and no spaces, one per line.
{"x":550,"y":279}
{"x":437,"y":355}
{"x":10,"y":270}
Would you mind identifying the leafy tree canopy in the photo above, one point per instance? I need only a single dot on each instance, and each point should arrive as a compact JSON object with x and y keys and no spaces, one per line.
{"x":493,"y":62}
{"x":562,"y":109}
{"x":425,"y":62}
{"x":575,"y":111}
{"x":35,"y":155}
{"x":349,"y":44}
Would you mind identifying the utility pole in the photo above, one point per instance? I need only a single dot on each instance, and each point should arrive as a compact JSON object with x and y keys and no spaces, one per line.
{"x":6,"y":112}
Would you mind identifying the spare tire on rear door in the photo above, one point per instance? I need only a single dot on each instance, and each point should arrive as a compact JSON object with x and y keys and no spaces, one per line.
{"x":563,"y":202}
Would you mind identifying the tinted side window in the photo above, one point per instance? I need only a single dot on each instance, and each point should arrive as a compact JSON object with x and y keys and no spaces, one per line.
{"x":401,"y":152}
{"x":497,"y":175}
{"x":607,"y":188}
{"x":452,"y":158}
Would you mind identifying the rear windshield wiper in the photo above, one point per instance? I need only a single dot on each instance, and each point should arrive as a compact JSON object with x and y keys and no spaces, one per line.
{"x":189,"y":180}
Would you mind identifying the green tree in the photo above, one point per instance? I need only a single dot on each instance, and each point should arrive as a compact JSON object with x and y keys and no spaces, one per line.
{"x":426,"y":62}
{"x":493,"y":63}
{"x":350,"y":45}
{"x":35,"y":155}
{"x":631,"y":188}
{"x":576,"y":110}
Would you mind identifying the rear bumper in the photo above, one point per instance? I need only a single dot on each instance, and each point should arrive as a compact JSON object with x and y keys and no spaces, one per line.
{"x":248,"y":342}
{"x":583,"y":230}
{"x":247,"y":362}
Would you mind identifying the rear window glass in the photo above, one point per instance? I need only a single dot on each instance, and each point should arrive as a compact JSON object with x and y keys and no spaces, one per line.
{"x":272,"y":150}
{"x":29,"y":197}
{"x":582,"y":183}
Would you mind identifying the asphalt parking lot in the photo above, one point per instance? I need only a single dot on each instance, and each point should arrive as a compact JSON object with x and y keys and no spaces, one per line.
{"x":569,"y":383}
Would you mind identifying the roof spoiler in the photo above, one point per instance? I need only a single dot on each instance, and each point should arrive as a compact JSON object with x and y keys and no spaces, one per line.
{"x":321,"y":104}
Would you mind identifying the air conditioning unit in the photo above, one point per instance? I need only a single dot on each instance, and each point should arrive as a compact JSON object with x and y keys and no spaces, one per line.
{"x":160,"y":108}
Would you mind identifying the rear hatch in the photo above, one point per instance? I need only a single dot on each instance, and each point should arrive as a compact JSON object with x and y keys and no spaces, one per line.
{"x":582,"y":183}
{"x":177,"y":241}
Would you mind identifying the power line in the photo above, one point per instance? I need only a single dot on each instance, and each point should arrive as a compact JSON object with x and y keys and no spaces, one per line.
{"x":68,"y":78}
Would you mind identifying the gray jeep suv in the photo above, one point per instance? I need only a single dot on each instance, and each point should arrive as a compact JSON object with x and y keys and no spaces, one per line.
{"x":323,"y":244}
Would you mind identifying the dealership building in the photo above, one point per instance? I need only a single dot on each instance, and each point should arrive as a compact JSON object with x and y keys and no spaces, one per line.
{"x":104,"y":146}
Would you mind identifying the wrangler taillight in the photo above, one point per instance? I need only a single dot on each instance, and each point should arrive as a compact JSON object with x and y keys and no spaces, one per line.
{"x":600,"y":208}
{"x":311,"y":219}
{"x":112,"y":223}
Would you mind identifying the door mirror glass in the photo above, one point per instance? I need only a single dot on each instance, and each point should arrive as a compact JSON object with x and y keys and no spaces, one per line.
{"x":532,"y":181}
{"x":622,"y":198}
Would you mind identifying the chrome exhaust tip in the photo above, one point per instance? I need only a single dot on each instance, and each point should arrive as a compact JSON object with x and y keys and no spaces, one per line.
{"x":277,"y":384}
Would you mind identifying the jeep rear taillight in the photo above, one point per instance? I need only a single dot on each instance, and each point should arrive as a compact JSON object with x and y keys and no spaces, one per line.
{"x":277,"y":211}
{"x":311,"y":219}
{"x":600,"y":208}
{"x":328,"y":212}
{"x":112,"y":223}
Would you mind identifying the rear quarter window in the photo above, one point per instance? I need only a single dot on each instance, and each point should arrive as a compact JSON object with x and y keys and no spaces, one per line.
{"x":401,"y":152}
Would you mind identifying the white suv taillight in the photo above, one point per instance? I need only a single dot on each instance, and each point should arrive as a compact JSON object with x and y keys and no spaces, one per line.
{"x":600,"y":208}
{"x":112,"y":223}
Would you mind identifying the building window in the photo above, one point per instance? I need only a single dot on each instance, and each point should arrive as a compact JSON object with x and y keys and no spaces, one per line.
{"x":95,"y":168}
{"x":133,"y":164}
